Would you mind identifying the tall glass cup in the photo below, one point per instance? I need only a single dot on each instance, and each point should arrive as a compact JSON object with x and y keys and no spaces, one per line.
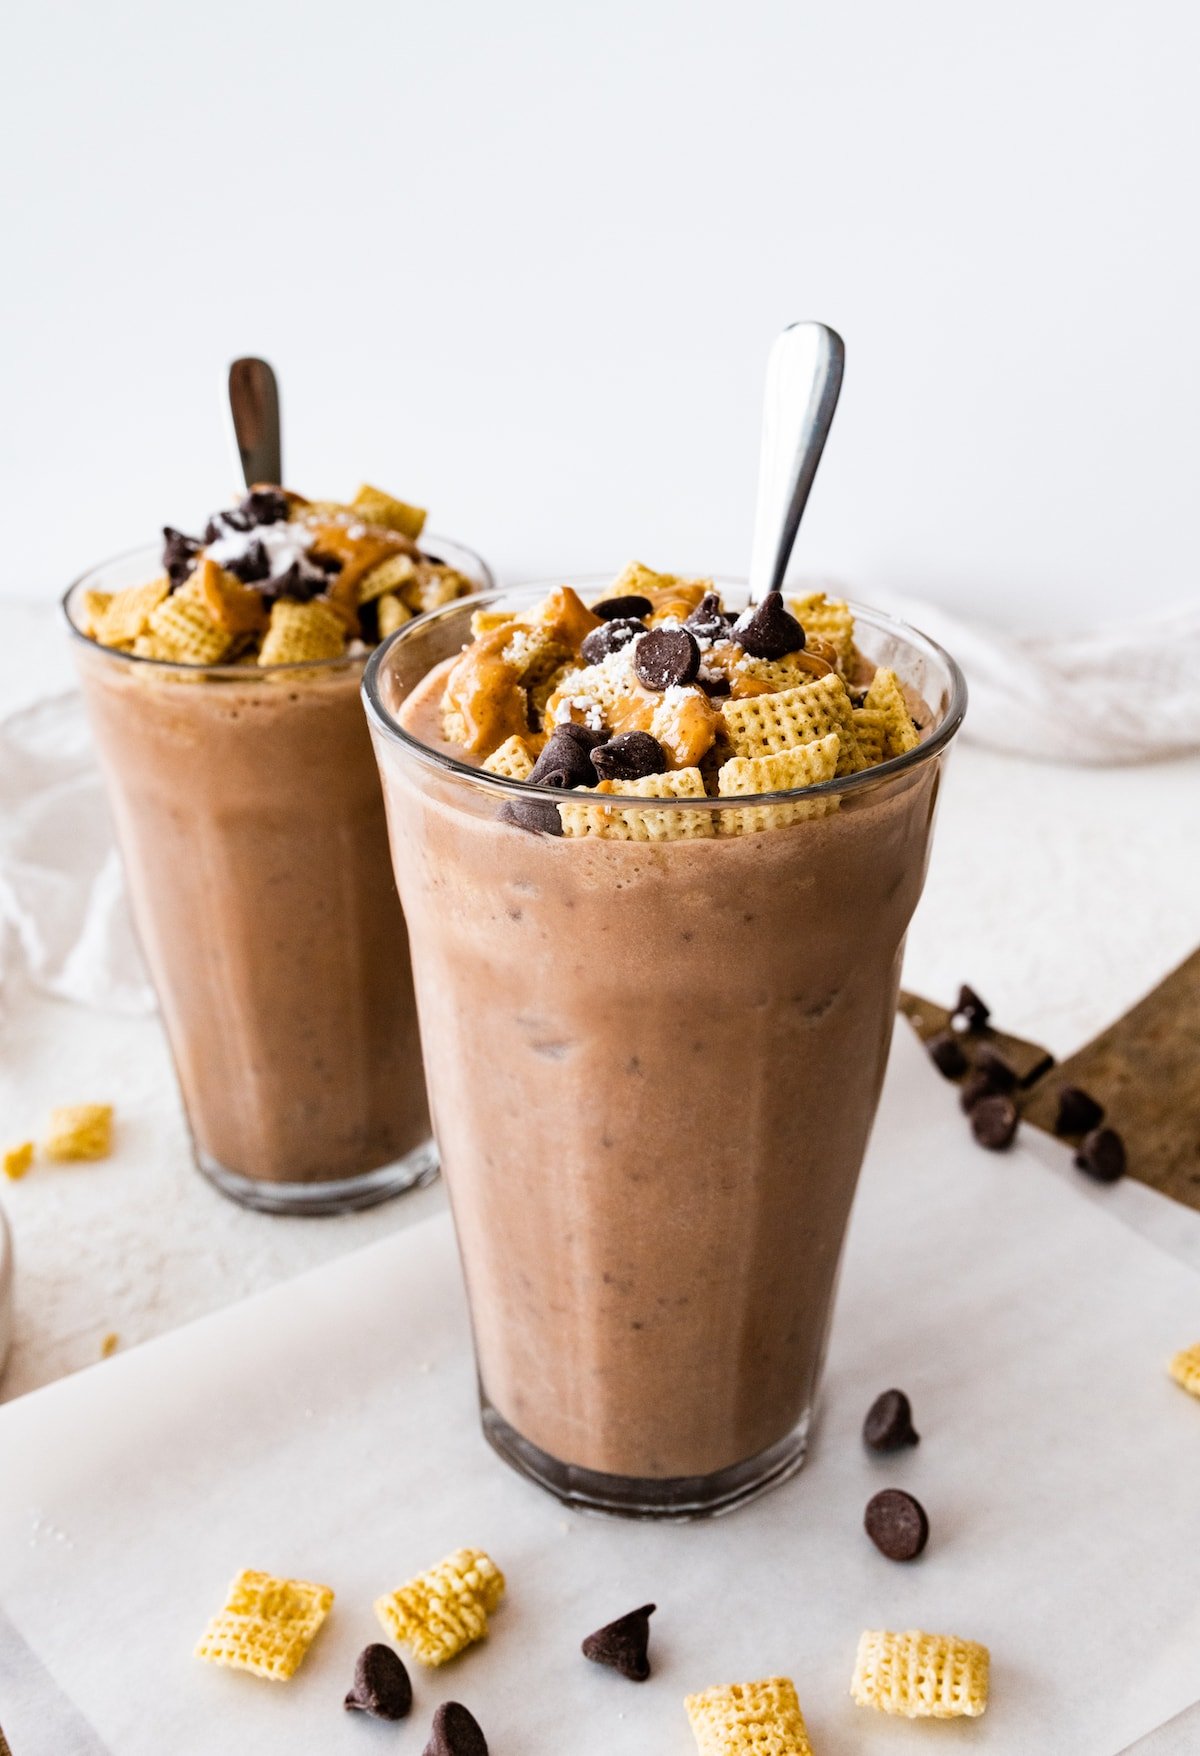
{"x":248,"y":813}
{"x":653,"y":1067}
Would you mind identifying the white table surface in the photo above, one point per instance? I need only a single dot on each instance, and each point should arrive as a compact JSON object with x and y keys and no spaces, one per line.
{"x":1061,"y":894}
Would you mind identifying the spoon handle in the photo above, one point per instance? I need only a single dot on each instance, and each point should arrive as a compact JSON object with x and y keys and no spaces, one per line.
{"x":254,"y":411}
{"x":804,"y":376}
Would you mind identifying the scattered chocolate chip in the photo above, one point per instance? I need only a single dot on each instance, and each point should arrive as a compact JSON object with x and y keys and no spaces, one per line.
{"x":381,"y":1684}
{"x":767,"y":631}
{"x":265,"y":506}
{"x":250,"y":567}
{"x":888,"y":1426}
{"x":623,"y":609}
{"x":945,"y":1051}
{"x":708,"y":619}
{"x":666,"y":658}
{"x":1000,"y":1072}
{"x":975,"y":1086}
{"x":623,"y":1644}
{"x":583,"y":735}
{"x":1102,"y":1155}
{"x":179,"y":554}
{"x":629,"y":756}
{"x":455,"y":1733}
{"x":970,"y":1014}
{"x":1078,"y":1111}
{"x":994,"y":1121}
{"x":609,"y":637}
{"x":563,"y":763}
{"x":896,"y":1524}
{"x":534,"y":815}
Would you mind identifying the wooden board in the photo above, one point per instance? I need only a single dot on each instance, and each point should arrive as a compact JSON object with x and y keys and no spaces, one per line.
{"x":1144,"y":1069}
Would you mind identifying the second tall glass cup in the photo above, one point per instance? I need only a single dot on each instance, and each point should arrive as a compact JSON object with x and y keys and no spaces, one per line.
{"x":653,"y":1068}
{"x":248,"y":813}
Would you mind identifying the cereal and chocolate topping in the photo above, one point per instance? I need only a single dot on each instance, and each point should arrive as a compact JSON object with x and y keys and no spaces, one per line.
{"x":669,"y":695}
{"x":279,"y":580}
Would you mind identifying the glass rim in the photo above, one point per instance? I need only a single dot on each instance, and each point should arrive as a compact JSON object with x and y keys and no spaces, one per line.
{"x":241,"y":673}
{"x":501,"y":787}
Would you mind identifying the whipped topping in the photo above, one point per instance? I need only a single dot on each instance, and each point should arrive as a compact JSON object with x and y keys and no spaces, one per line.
{"x":285,"y":544}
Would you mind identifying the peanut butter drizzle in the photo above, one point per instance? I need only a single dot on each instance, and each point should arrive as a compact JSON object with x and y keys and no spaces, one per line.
{"x":565,"y":615}
{"x":678,"y":600}
{"x":483,"y":688}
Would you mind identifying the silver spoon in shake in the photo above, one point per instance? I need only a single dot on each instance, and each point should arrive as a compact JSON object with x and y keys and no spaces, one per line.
{"x":804,"y":378}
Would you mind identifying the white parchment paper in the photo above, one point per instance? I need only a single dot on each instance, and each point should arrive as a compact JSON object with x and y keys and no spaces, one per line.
{"x":328,"y":1429}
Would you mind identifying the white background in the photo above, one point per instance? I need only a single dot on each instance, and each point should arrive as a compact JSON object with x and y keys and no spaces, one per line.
{"x":523,"y":262}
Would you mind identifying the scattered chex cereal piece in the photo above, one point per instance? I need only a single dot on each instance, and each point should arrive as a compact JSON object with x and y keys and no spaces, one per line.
{"x":762,"y":725}
{"x":375,"y":507}
{"x":805,"y":766}
{"x":512,"y":759}
{"x":826,"y":619}
{"x":392,"y":614}
{"x":445,"y":1609}
{"x":79,"y":1131}
{"x":185,"y":633}
{"x":267,"y":1625}
{"x":920,"y":1676}
{"x":17,"y":1160}
{"x":1185,"y":1369}
{"x":760,"y":1719}
{"x":886,"y":696}
{"x":391,"y":575}
{"x":637,"y":823}
{"x":301,"y":633}
{"x":129,"y":611}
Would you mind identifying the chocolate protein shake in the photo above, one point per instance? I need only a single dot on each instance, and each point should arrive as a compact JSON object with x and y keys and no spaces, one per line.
{"x":224,"y":700}
{"x":656,"y":1033}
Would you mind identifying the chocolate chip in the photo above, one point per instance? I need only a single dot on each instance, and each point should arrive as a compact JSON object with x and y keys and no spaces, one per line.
{"x":1078,"y":1111}
{"x":179,"y":554}
{"x":584,"y":736}
{"x":1102,"y":1155}
{"x":301,"y":582}
{"x":1000,"y":1072}
{"x":381,"y":1684}
{"x":623,"y":609}
{"x":250,"y":567}
{"x":767,"y":631}
{"x":456,"y":1733}
{"x":975,"y":1086}
{"x":222,"y":523}
{"x":623,"y":1644}
{"x":629,"y":756}
{"x":534,"y":815}
{"x":708,"y":619}
{"x":265,"y":506}
{"x":609,"y":637}
{"x":970,"y":1014}
{"x":888,"y":1426}
{"x":994,"y":1121}
{"x":563,"y":763}
{"x":945,"y":1051}
{"x":896,"y":1524}
{"x":666,"y":658}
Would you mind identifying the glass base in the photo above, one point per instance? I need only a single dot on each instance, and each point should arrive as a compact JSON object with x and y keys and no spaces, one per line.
{"x":674,"y":1499}
{"x":338,"y":1195}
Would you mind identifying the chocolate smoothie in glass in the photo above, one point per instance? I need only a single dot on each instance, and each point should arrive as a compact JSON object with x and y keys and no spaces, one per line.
{"x":221,"y":678}
{"x":656,"y":1032}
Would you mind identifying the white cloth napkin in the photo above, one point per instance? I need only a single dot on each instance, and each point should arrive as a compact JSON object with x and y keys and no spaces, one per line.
{"x":1110,"y":695}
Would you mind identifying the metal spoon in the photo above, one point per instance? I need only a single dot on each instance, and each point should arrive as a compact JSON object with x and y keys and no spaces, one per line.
{"x":804,"y":376}
{"x":254,"y":412}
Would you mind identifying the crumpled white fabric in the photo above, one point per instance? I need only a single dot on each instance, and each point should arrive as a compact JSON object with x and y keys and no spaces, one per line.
{"x":1127,"y":692}
{"x":63,"y":913}
{"x":1109,"y":695}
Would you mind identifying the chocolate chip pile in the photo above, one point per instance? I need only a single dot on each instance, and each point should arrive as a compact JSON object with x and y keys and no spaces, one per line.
{"x":989,"y":1092}
{"x":277,"y":579}
{"x":657,"y":691}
